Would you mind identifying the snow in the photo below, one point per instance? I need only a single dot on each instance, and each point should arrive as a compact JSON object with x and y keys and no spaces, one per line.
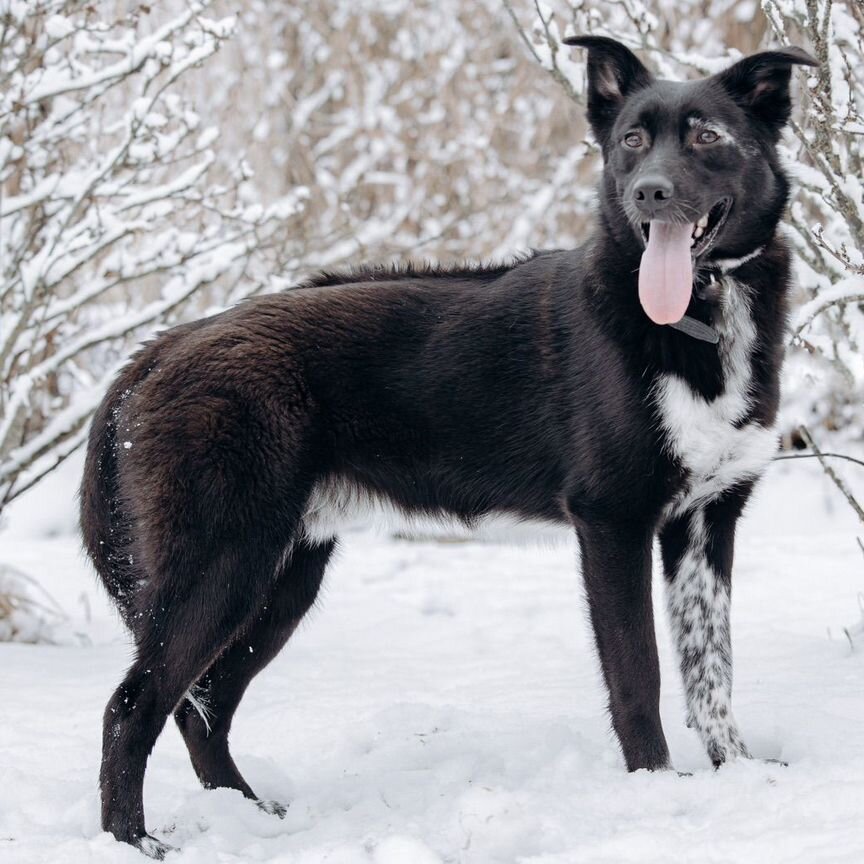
{"x":443,"y":704}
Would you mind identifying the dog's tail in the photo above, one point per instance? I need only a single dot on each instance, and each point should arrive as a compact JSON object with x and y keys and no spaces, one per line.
{"x":104,"y":526}
{"x":106,"y":522}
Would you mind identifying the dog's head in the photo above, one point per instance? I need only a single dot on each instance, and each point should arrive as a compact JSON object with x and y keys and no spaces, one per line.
{"x":690,"y":169}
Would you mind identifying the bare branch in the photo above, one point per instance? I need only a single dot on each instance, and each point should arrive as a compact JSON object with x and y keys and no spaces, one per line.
{"x":832,"y":474}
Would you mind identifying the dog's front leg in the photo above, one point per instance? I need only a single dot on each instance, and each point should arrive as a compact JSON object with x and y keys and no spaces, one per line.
{"x":697,"y":551}
{"x":616,"y":567}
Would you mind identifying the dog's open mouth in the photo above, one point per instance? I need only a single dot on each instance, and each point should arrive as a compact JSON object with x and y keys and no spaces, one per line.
{"x":666,"y":269}
{"x":705,"y":231}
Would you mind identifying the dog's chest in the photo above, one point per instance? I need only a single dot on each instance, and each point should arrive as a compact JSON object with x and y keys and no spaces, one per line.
{"x":708,"y":436}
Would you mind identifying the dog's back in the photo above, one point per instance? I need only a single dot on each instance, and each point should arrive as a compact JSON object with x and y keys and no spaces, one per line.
{"x":293,"y":399}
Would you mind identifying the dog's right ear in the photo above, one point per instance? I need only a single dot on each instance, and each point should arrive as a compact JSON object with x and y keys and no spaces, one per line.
{"x":614,"y":72}
{"x":760,"y":84}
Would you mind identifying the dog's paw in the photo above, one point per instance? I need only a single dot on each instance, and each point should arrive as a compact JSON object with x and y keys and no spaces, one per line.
{"x":720,"y":755}
{"x":153,"y":848}
{"x":718,"y":759}
{"x":274,"y":808}
{"x":725,"y":745}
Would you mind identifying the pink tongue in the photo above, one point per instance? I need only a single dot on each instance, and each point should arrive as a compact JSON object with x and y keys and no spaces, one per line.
{"x":666,"y":273}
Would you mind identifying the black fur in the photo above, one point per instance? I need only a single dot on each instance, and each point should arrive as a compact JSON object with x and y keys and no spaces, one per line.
{"x":524,"y":389}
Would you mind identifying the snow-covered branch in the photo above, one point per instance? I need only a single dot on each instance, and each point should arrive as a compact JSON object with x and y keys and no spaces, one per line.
{"x":114,"y":210}
{"x":826,"y":157}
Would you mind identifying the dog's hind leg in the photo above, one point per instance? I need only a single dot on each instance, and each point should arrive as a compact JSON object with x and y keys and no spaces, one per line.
{"x":218,"y":692}
{"x":616,"y":568}
{"x":182,"y":622}
{"x":697,"y":557}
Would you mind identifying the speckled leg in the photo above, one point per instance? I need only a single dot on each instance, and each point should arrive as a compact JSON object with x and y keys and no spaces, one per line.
{"x":697,"y":555}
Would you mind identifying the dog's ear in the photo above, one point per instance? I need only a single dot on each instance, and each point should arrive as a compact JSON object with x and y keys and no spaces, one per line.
{"x":614,"y":72}
{"x":760,"y":84}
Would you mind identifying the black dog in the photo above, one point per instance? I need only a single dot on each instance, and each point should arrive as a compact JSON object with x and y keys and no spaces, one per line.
{"x":228,"y":453}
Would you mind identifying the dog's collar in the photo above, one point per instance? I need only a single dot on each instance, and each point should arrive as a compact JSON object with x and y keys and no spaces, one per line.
{"x":698,"y":329}
{"x":705,"y":282}
{"x":695,"y":328}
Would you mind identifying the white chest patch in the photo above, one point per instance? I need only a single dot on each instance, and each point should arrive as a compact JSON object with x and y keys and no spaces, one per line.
{"x":703,"y":434}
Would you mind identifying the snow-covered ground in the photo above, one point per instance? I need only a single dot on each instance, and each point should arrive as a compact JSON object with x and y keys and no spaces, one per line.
{"x":443,"y":704}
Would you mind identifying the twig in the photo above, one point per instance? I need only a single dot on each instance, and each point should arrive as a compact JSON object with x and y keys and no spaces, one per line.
{"x":552,"y":45}
{"x":822,"y":307}
{"x":815,"y":456}
{"x":836,"y":479}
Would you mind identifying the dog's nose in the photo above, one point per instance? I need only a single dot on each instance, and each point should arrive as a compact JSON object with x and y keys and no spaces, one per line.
{"x":653,"y":193}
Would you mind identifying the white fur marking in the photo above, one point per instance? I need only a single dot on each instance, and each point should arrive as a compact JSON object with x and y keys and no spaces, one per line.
{"x":725,"y":136}
{"x":336,"y":505}
{"x":701,"y":433}
{"x":726,"y":265}
{"x":274,"y":808}
{"x":197,"y":699}
{"x":152,"y":847}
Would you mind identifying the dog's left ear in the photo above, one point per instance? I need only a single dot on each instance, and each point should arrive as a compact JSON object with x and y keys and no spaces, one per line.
{"x":614,"y":72}
{"x":760,"y":84}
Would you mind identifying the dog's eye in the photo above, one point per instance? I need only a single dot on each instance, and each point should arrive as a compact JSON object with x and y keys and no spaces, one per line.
{"x":706,"y":136}
{"x":633,"y":140}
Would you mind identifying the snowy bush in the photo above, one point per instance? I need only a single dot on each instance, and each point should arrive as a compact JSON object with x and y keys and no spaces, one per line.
{"x":826,"y":158}
{"x":112,"y":213}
